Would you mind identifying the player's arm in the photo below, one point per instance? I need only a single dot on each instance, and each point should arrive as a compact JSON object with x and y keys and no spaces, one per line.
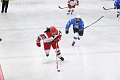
{"x":48,"y":40}
{"x":68,"y":3}
{"x":57,"y":37}
{"x":38,"y":43}
{"x":115,"y":4}
{"x":68,"y":26}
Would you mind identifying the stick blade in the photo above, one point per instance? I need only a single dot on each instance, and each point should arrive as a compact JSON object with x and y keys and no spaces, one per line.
{"x":104,"y":8}
{"x":60,"y":7}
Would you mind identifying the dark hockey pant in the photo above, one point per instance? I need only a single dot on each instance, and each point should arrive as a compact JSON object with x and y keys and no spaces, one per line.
{"x":80,"y":32}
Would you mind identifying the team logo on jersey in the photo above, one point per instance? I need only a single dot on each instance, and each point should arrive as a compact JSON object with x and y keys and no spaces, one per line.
{"x":77,"y":26}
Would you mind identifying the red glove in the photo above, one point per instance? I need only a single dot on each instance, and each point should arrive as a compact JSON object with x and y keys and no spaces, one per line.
{"x":38,"y":43}
{"x":77,"y":3}
{"x":57,"y":40}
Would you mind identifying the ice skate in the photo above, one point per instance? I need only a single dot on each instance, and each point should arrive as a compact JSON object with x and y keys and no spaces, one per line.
{"x":78,"y":38}
{"x":2,"y":11}
{"x":118,"y":15}
{"x":67,"y":13}
{"x":5,"y":11}
{"x":47,"y":55}
{"x":62,"y":59}
{"x":73,"y":43}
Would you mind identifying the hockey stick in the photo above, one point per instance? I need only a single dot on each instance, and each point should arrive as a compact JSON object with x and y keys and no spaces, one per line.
{"x":62,"y":8}
{"x":1,"y":74}
{"x":57,"y":59}
{"x":107,"y":9}
{"x":94,"y":22}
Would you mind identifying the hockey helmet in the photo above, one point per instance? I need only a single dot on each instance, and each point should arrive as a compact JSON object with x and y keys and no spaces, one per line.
{"x":53,"y":30}
{"x":77,"y":16}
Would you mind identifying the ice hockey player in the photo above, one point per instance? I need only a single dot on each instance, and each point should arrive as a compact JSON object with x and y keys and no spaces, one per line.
{"x":117,"y":6}
{"x":50,"y":38}
{"x":78,"y":28}
{"x":4,"y":5}
{"x":71,"y":6}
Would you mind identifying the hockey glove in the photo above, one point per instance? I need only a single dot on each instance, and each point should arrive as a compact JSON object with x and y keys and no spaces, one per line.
{"x":80,"y":32}
{"x":57,"y":40}
{"x":38,"y":43}
{"x":67,"y":31}
{"x":77,"y":3}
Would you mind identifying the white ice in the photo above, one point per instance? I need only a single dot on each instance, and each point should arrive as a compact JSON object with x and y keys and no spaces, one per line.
{"x":95,"y":57}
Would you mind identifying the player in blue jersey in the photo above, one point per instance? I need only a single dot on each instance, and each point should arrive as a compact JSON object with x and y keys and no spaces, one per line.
{"x":78,"y":28}
{"x":117,"y":6}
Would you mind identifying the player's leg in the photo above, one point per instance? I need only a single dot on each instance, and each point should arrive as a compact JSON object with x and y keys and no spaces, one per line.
{"x":3,"y":5}
{"x":6,"y":6}
{"x":47,"y":48}
{"x":118,"y":12}
{"x":72,"y":9}
{"x":80,"y":33}
{"x":57,"y":50}
{"x":75,"y":36}
{"x":69,"y":9}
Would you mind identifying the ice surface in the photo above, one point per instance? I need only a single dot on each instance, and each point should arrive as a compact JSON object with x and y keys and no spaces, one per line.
{"x":95,"y":57}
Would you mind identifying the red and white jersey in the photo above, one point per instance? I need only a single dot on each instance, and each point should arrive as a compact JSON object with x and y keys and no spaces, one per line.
{"x":48,"y":38}
{"x":73,"y":2}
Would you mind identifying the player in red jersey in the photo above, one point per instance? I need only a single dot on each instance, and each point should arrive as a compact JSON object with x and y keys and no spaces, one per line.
{"x":71,"y":5}
{"x":50,"y":38}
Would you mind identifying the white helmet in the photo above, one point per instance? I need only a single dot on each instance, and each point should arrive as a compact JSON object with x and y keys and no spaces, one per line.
{"x":77,"y":16}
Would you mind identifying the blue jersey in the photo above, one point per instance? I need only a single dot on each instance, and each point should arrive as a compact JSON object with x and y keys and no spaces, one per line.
{"x":79,"y":25}
{"x":117,"y":3}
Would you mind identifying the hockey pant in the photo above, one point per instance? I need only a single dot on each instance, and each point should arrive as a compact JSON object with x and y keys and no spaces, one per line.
{"x":55,"y":46}
{"x":71,"y":8}
{"x":80,"y":32}
{"x":77,"y":34}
